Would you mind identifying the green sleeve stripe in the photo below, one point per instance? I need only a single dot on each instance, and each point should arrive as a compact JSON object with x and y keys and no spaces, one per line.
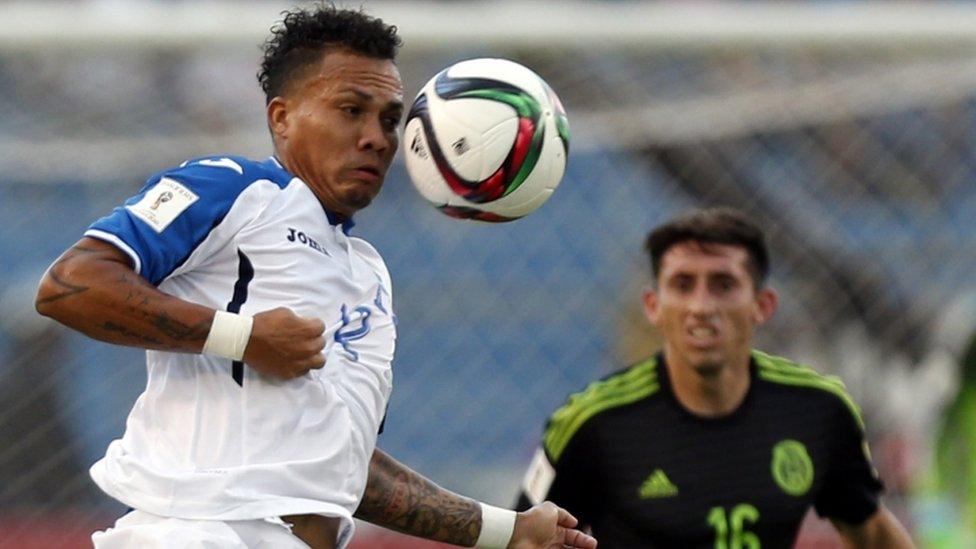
{"x":598,"y":390}
{"x":813,"y":383}
{"x":558,"y":436}
{"x":606,"y":388}
{"x":624,"y":388}
{"x":779,"y":370}
{"x":786,"y":367}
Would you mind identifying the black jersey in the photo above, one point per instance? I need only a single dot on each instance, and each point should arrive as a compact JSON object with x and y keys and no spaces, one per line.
{"x":630,"y":462}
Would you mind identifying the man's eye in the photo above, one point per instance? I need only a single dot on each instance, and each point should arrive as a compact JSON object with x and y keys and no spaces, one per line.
{"x":352,"y":109}
{"x":725,"y":284}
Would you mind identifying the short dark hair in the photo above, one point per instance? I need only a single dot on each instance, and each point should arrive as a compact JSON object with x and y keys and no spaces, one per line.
{"x":302,"y":36}
{"x":712,"y":226}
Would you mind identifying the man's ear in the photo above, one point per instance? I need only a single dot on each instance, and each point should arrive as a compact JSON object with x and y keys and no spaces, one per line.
{"x":277,"y":111}
{"x":767,"y":300}
{"x":651,"y":305}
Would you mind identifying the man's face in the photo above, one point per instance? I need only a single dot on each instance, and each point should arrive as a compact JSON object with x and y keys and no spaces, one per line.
{"x":706,"y":305}
{"x":336,"y":127}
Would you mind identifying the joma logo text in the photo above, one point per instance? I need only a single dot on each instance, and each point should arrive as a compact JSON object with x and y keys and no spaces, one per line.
{"x":294,"y":234}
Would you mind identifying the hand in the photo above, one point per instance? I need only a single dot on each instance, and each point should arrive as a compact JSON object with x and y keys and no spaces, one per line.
{"x":546,"y":526}
{"x":285,"y":345}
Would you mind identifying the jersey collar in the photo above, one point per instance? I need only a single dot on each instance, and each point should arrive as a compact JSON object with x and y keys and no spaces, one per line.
{"x":664,"y":380}
{"x":334,"y":218}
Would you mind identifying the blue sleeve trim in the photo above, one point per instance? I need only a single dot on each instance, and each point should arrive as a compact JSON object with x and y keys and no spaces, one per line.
{"x":120,"y":244}
{"x":205,"y":189}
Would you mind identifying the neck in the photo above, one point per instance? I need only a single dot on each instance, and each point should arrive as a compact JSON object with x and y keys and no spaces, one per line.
{"x":281,"y":155}
{"x":292,"y":167}
{"x":709,"y":391}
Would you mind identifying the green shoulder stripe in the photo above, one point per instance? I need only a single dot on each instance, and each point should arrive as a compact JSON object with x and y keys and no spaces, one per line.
{"x":780,"y":370}
{"x":630,"y":385}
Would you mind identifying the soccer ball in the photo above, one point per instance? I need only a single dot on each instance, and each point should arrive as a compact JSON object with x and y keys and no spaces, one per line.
{"x":486,"y":139}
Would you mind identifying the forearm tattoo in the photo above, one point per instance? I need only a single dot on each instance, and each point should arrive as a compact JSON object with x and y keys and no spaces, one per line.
{"x":139,"y":303}
{"x":400,"y":499}
{"x":131,"y":334}
{"x":140,"y":318}
{"x":180,"y":331}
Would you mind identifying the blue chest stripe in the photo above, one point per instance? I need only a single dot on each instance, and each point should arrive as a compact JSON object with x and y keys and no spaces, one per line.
{"x":245,"y":273}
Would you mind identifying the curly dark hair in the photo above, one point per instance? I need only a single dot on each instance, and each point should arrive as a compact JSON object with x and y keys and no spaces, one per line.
{"x":301,"y":37}
{"x":713,"y":226}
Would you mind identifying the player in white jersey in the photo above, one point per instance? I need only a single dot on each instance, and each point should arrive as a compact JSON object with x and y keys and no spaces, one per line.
{"x":270,"y":330}
{"x":246,"y":237}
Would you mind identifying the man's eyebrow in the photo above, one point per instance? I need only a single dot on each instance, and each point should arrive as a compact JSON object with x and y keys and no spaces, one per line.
{"x":361,"y":94}
{"x":395,"y":104}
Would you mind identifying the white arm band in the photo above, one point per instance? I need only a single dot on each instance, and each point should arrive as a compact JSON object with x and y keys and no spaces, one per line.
{"x":228,"y":336}
{"x":497,"y":527}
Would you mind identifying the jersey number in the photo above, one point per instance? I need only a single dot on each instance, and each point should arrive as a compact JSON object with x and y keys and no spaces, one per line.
{"x":729,"y":532}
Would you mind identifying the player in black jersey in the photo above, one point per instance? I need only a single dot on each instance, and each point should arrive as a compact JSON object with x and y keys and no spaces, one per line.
{"x":711,"y":444}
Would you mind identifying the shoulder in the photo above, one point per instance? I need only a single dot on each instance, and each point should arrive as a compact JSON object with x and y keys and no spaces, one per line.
{"x":212,"y":185}
{"x":228,"y":171}
{"x":371,"y":256}
{"x":618,"y":389}
{"x":364,"y":248}
{"x":796,"y":377}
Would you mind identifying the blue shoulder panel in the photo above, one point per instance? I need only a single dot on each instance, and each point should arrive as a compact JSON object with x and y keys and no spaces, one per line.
{"x":177,"y":208}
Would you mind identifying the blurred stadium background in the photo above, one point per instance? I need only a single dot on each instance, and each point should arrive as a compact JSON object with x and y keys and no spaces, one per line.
{"x":847,"y":129}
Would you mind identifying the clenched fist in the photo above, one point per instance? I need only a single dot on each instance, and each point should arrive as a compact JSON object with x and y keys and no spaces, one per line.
{"x":285,"y":345}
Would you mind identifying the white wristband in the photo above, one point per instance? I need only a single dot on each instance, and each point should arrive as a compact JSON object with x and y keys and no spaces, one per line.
{"x":497,"y":527}
{"x":228,"y":336}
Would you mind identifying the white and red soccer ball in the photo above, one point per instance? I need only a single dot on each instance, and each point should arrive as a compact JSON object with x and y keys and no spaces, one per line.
{"x":486,"y":139}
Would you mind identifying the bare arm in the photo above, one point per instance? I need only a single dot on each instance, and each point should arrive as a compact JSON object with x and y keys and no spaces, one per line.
{"x":92,"y":289}
{"x":880,"y":531}
{"x":401,"y":499}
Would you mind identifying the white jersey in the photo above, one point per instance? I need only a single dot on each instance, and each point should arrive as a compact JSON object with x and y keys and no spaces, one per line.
{"x":210,"y":438}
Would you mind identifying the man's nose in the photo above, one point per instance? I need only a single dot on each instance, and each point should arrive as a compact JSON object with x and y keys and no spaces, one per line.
{"x":702,"y":302}
{"x":374,"y":137}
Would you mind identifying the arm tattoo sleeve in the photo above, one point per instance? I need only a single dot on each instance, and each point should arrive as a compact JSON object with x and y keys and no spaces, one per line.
{"x":68,"y":289}
{"x":93,"y":289}
{"x":401,"y":499}
{"x":140,"y":304}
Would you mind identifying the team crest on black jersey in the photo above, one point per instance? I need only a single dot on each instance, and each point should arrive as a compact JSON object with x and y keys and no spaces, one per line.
{"x":792,"y":467}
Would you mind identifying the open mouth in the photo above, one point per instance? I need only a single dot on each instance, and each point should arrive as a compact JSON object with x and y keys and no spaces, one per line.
{"x":703,"y":332}
{"x":703,"y":336}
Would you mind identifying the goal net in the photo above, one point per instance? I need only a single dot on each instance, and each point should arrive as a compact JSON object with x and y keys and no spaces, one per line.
{"x":846,"y":130}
